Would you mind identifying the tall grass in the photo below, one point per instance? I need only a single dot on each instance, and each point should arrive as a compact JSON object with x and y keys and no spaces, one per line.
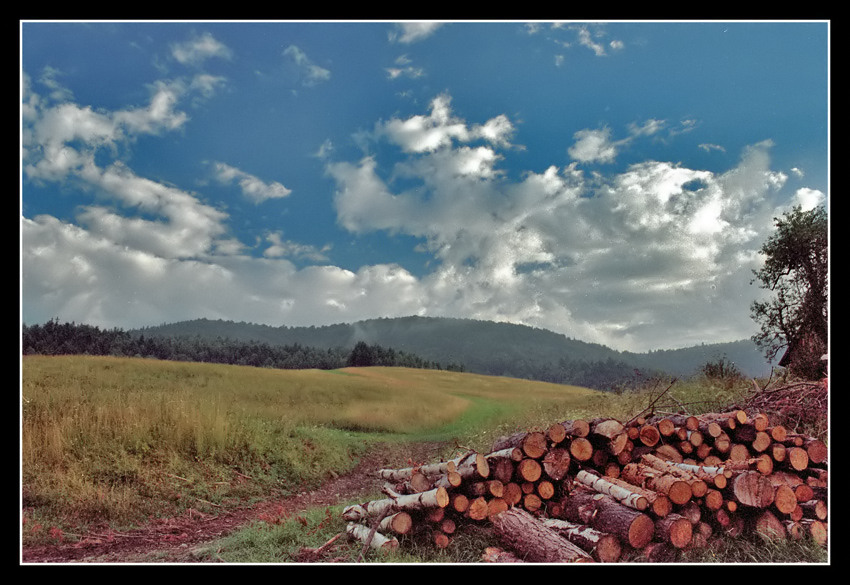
{"x":118,"y":440}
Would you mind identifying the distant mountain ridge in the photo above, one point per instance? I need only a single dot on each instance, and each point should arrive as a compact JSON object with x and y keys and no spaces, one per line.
{"x":484,"y":347}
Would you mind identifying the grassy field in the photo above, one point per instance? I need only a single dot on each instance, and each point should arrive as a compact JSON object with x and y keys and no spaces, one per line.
{"x":115,"y":442}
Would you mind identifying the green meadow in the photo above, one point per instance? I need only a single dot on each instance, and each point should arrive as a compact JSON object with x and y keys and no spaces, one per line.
{"x":114,"y":443}
{"x":122,"y":440}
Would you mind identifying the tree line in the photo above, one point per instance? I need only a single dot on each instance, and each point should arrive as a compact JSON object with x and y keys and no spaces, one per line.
{"x":55,"y":338}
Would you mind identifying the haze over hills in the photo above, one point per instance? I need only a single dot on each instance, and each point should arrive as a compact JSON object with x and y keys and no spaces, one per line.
{"x":484,"y":347}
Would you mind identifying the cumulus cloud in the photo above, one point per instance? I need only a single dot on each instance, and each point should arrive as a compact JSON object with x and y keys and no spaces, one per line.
{"x":650,"y":254}
{"x":561,"y":249}
{"x":593,"y":146}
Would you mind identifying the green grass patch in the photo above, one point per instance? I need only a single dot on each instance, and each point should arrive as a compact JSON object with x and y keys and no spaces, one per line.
{"x":121,"y":440}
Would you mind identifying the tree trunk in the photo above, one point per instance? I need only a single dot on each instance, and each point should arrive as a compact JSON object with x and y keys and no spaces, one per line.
{"x":606,"y":514}
{"x":622,"y":494}
{"x":534,"y":542}
{"x":556,"y":463}
{"x":399,"y":523}
{"x":576,"y":428}
{"x":533,"y":444}
{"x":675,"y":529}
{"x":581,"y":449}
{"x":610,"y":433}
{"x":751,"y":489}
{"x":529,"y":470}
{"x":369,"y":537}
{"x":603,"y":547}
{"x":678,"y":490}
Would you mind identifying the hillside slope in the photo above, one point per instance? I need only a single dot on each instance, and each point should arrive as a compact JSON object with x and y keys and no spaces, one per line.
{"x":484,"y":347}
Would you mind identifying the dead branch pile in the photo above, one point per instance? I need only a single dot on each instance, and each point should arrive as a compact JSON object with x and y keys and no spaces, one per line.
{"x":797,"y":404}
{"x":603,"y":491}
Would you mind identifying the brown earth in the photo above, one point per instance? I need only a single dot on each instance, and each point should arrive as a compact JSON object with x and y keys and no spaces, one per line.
{"x":182,"y":539}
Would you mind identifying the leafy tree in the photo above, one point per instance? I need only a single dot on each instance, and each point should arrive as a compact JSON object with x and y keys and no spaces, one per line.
{"x":796,"y":269}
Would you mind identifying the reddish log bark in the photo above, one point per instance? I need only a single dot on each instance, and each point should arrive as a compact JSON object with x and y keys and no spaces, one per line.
{"x":605,"y":548}
{"x":533,"y":541}
{"x":675,"y":529}
{"x":605,"y":514}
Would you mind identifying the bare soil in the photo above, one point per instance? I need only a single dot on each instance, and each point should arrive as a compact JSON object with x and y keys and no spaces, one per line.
{"x":179,"y":539}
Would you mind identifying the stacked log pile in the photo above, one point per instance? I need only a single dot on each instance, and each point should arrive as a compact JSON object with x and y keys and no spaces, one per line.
{"x":603,"y":490}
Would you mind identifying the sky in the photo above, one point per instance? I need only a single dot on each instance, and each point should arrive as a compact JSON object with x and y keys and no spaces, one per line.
{"x":612,"y":181}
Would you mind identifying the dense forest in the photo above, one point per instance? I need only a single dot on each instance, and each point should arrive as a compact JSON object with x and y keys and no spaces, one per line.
{"x":482,"y":347}
{"x":54,"y":338}
{"x":487,"y":347}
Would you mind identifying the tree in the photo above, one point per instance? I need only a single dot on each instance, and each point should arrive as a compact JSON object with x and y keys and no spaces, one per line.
{"x":796,"y":271}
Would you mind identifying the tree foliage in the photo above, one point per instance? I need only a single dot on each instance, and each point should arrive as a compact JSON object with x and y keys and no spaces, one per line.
{"x":54,"y":338}
{"x":796,"y":272}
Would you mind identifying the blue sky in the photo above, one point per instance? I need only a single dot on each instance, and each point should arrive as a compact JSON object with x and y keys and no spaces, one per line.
{"x":612,"y":181}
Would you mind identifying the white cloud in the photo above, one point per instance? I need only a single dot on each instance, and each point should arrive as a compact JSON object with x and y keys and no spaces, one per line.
{"x":412,"y":32}
{"x":313,"y":73}
{"x":252,"y":187}
{"x":199,"y":49}
{"x":593,"y":146}
{"x":651,"y":255}
{"x":808,"y":199}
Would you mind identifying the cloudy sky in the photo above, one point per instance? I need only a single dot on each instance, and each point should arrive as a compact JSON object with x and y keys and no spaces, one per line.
{"x":610,"y":181}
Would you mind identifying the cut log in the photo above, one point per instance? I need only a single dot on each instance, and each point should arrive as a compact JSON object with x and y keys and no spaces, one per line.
{"x":533,"y":444}
{"x":533,"y":541}
{"x":603,"y":547}
{"x":697,"y":485}
{"x":796,"y":458}
{"x":649,"y":435}
{"x":529,"y":470}
{"x":609,"y":433}
{"x":556,"y":463}
{"x":502,"y":468}
{"x":477,"y":509}
{"x":713,"y":476}
{"x":761,"y":442}
{"x":816,"y":529}
{"x":785,"y":500}
{"x":606,"y":514}
{"x":532,"y":502}
{"x":768,"y":526}
{"x":496,"y":506}
{"x":816,"y":450}
{"x":513,"y":493}
{"x":675,"y":529}
{"x":815,"y":509}
{"x":581,"y":449}
{"x":545,"y":489}
{"x":459,"y":503}
{"x":472,"y":466}
{"x":398,"y":523}
{"x":556,"y":433}
{"x":669,"y":453}
{"x":617,"y":491}
{"x":678,"y":490}
{"x":751,"y":489}
{"x":576,"y":428}
{"x":369,"y":537}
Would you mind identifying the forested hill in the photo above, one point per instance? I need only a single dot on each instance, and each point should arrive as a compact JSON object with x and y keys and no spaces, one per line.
{"x":486,"y":347}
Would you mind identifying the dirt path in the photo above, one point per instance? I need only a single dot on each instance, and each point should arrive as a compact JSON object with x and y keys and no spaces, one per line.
{"x":176,"y":540}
